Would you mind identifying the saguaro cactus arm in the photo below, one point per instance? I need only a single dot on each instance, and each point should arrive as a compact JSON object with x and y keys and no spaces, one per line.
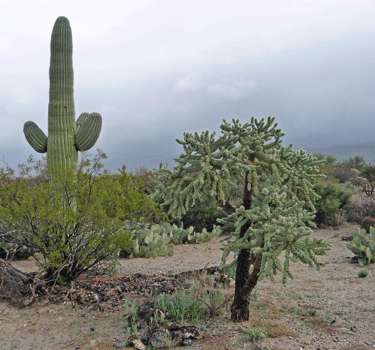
{"x":88,"y":127}
{"x":35,"y":137}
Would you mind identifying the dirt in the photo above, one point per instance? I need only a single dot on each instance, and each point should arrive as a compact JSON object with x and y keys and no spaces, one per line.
{"x":330,"y":309}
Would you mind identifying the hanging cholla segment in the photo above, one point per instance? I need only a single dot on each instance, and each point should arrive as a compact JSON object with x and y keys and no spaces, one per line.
{"x":65,"y":136}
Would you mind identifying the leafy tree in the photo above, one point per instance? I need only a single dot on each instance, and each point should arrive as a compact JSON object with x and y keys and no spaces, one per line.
{"x":332,"y":199}
{"x":343,"y":171}
{"x":203,"y":215}
{"x":327,"y":165}
{"x":331,"y":160}
{"x":368,"y":172}
{"x":276,"y":208}
{"x":349,"y":170}
{"x":319,"y":156}
{"x":75,"y":223}
{"x":357,"y":162}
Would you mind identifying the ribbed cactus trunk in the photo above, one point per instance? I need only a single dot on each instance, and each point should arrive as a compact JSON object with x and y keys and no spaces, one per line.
{"x":62,"y":152}
{"x":66,"y":136}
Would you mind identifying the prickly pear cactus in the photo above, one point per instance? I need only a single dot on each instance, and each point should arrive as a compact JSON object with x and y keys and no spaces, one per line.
{"x":158,"y":240}
{"x":65,"y":135}
{"x":363,"y":246}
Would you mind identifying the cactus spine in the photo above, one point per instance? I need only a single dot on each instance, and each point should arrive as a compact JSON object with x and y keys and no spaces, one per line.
{"x":65,"y":135}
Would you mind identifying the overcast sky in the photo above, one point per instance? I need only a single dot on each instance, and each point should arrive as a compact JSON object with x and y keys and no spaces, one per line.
{"x":155,"y":69}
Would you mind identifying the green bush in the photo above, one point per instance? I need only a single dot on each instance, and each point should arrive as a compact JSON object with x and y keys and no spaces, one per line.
{"x":359,"y":209}
{"x":333,"y":198}
{"x":362,"y":273}
{"x":75,"y":223}
{"x":368,"y":172}
{"x":256,"y":333}
{"x":146,"y":178}
{"x":348,"y":186}
{"x":203,"y":215}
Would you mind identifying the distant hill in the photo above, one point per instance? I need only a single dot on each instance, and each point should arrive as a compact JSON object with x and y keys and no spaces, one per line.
{"x":365,"y":150}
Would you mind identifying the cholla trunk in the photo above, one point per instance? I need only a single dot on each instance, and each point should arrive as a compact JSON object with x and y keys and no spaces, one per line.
{"x":244,"y":281}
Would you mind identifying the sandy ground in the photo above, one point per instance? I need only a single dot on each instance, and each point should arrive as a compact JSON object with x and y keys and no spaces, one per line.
{"x":330,"y":309}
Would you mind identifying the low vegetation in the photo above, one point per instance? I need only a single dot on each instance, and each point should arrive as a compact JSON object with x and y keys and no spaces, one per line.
{"x":83,"y":221}
{"x":74,"y":224}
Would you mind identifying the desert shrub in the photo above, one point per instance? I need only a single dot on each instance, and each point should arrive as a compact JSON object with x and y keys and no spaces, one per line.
{"x":356,"y":179}
{"x":146,"y":179}
{"x":333,"y":199}
{"x":337,"y":219}
{"x":341,"y":171}
{"x":362,"y":273}
{"x":349,"y":186}
{"x":330,"y":160}
{"x":357,"y":162}
{"x":203,"y":215}
{"x":350,"y":170}
{"x":256,"y":333}
{"x":368,"y":172}
{"x":75,"y":223}
{"x":361,"y":208}
{"x":328,"y":170}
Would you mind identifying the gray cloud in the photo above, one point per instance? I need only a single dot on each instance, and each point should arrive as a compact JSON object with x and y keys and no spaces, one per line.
{"x":232,"y":91}
{"x":157,"y":69}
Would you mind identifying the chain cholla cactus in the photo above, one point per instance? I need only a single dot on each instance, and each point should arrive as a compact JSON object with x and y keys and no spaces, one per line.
{"x":65,"y":135}
{"x":277,"y":208}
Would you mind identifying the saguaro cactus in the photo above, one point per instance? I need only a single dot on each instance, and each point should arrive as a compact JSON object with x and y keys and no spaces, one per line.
{"x":65,"y":135}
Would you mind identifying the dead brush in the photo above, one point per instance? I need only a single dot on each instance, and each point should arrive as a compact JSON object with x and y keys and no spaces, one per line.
{"x":360,"y":207}
{"x":208,"y":292}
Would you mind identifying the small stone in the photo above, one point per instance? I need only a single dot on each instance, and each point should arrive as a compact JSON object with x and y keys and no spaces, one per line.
{"x":92,"y":329}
